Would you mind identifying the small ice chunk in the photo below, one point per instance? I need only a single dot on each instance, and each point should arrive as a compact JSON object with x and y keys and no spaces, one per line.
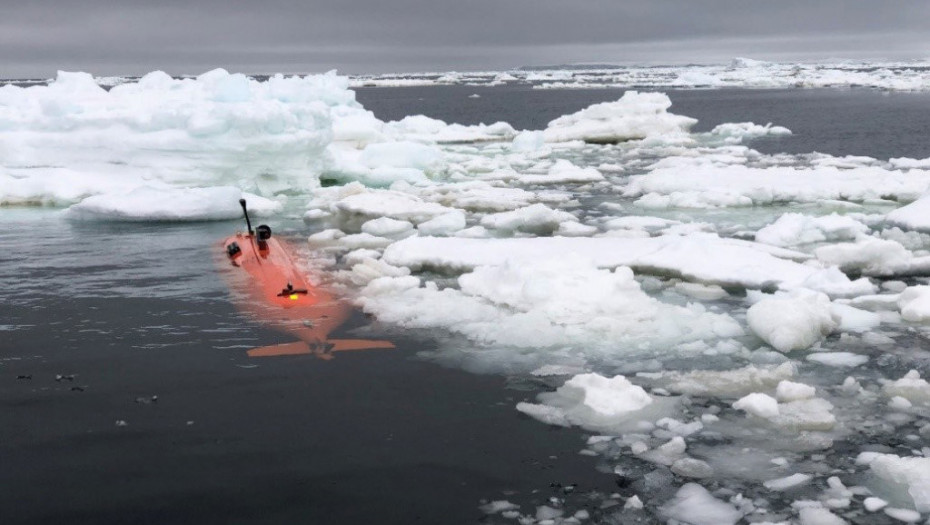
{"x":589,"y":400}
{"x":873,"y":504}
{"x":791,"y":391}
{"x":792,"y":229}
{"x":528,"y":141}
{"x":914,"y":303}
{"x":148,"y":203}
{"x":545,"y":512}
{"x":791,"y":322}
{"x":633,"y":502}
{"x":905,"y":476}
{"x":446,"y":224}
{"x":563,"y":172}
{"x":838,"y":359}
{"x":498,"y":506}
{"x":819,"y":516}
{"x":387,"y":227}
{"x":536,"y":218}
{"x":700,"y":291}
{"x":786,"y":483}
{"x":899,"y":403}
{"x":758,"y":404}
{"x":910,"y":387}
{"x":806,"y":414}
{"x":694,"y":505}
{"x":634,"y":116}
{"x":914,"y":216}
{"x":692,"y":468}
{"x":905,"y":515}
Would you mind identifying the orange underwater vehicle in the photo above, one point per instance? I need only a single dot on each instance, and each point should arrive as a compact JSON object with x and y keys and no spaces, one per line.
{"x":277,"y":293}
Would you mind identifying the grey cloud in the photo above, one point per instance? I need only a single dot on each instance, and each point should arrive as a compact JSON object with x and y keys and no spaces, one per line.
{"x":132,"y":37}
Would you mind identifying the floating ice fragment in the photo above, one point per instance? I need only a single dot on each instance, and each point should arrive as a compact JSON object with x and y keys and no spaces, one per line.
{"x":563,"y":172}
{"x":692,"y":504}
{"x":498,"y":506}
{"x":702,"y":257}
{"x":387,"y":227}
{"x":591,"y":401}
{"x":910,"y":387}
{"x":914,"y":216}
{"x":873,"y":504}
{"x":905,"y":515}
{"x":758,"y":404}
{"x":791,"y":391}
{"x":737,"y":132}
{"x":692,"y":468}
{"x":634,"y":116}
{"x":914,"y":303}
{"x":791,"y":322}
{"x":147,"y":203}
{"x":905,"y":478}
{"x":446,"y":224}
{"x":838,"y":359}
{"x":786,"y":483}
{"x":819,"y":516}
{"x":536,"y":218}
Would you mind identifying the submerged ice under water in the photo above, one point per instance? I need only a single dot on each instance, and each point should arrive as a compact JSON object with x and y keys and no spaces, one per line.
{"x":740,"y":330}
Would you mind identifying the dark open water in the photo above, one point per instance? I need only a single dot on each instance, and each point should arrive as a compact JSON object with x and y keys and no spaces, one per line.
{"x":835,"y":121}
{"x":136,"y":310}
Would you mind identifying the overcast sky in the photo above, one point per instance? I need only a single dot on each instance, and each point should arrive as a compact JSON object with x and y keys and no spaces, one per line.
{"x":109,"y":37}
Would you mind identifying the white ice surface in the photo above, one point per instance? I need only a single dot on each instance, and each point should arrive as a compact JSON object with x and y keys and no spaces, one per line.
{"x":694,"y":505}
{"x":590,"y":401}
{"x":702,"y":257}
{"x":792,"y":321}
{"x":634,"y":116}
{"x":695,"y":182}
{"x":904,"y":479}
{"x":147,"y":203}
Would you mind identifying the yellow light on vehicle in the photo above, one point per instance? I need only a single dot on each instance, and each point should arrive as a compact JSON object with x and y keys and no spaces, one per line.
{"x":293,"y":296}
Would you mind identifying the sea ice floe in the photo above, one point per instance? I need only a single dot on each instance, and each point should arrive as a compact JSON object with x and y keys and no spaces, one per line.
{"x":593,"y":402}
{"x":702,"y":257}
{"x":905,"y":480}
{"x":838,"y":359}
{"x":911,"y":387}
{"x":544,"y":304}
{"x":869,"y":255}
{"x":737,"y":132}
{"x":914,"y":303}
{"x":634,"y":116}
{"x":537,"y":219}
{"x":787,"y":483}
{"x":693,"y":504}
{"x":562,"y":172}
{"x":914,"y":216}
{"x":147,"y":203}
{"x":217,"y":129}
{"x":688,"y":182}
{"x":792,"y":321}
{"x":727,"y":383}
{"x":792,"y":229}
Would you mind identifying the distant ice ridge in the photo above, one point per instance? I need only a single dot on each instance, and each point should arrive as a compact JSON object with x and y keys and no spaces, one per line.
{"x":739,"y":73}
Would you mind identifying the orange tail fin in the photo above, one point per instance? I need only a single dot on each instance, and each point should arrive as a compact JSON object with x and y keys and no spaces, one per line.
{"x":358,"y":344}
{"x":295,"y":348}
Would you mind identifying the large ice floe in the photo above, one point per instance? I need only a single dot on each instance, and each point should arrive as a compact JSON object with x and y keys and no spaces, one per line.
{"x":738,"y":335}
